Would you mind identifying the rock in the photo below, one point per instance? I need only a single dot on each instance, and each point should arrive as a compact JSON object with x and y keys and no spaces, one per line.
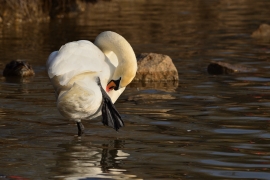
{"x":226,"y":68}
{"x":155,"y":67}
{"x":263,"y":32}
{"x":18,"y":68}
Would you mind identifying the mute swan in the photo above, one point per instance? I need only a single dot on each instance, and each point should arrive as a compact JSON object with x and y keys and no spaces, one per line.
{"x":88,"y":78}
{"x":18,"y":68}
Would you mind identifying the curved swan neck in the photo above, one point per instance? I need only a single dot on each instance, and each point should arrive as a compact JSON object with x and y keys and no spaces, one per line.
{"x":127,"y":63}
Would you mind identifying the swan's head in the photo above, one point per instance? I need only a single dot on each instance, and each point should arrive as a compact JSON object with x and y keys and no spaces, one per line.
{"x":127,"y":63}
{"x":123,"y":75}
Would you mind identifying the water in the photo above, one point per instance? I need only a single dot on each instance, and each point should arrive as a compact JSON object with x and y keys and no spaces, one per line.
{"x":203,"y":127}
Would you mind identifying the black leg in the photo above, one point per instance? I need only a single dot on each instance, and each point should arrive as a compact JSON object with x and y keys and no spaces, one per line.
{"x":80,"y":128}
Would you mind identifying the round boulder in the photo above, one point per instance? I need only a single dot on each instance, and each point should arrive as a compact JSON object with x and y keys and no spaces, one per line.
{"x":155,"y":67}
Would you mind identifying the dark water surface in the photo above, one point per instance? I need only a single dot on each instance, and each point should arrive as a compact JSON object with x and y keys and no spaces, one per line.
{"x":203,"y":127}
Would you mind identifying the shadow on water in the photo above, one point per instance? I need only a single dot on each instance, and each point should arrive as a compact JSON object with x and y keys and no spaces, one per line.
{"x":202,"y":127}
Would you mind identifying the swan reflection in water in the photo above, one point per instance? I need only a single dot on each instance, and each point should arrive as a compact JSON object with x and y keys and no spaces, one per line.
{"x":84,"y":160}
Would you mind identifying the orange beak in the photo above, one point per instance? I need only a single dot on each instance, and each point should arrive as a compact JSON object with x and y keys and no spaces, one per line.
{"x":111,"y":85}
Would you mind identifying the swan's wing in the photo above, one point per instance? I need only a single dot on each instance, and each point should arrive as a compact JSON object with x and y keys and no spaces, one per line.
{"x":74,"y":58}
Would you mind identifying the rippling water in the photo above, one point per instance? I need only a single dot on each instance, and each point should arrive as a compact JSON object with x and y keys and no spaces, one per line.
{"x":203,"y":127}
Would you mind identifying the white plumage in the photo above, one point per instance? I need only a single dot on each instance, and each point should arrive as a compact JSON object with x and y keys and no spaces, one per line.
{"x":75,"y":58}
{"x":88,"y":78}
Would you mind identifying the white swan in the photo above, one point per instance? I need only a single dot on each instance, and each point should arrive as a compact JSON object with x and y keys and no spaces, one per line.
{"x":88,"y":78}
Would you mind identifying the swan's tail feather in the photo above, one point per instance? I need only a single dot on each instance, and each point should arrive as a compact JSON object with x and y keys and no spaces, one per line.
{"x":110,"y":115}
